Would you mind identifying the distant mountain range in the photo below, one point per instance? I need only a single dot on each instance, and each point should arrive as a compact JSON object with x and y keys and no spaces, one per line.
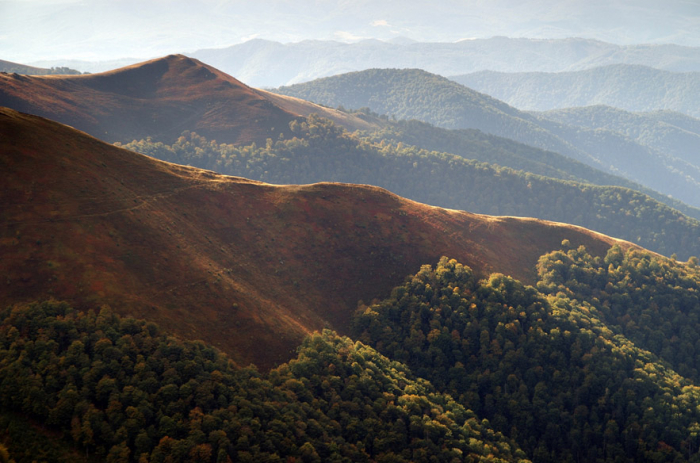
{"x":264,"y":63}
{"x":624,"y":86}
{"x":38,"y":29}
{"x":416,"y":94}
{"x":160,"y":99}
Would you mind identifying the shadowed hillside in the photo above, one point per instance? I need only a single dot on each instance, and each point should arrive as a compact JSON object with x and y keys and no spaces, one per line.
{"x":416,"y":94}
{"x":234,"y":262}
{"x":160,"y":99}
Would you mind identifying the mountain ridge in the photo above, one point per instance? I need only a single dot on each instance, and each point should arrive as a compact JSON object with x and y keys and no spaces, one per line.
{"x":266,"y":63}
{"x":206,"y":255}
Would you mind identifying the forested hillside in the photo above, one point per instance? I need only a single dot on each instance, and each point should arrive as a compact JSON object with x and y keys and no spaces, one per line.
{"x":625,"y":86}
{"x":324,"y":152}
{"x":120,"y":390}
{"x":416,"y":94}
{"x":575,"y":370}
{"x":667,"y":131}
{"x":483,"y":147}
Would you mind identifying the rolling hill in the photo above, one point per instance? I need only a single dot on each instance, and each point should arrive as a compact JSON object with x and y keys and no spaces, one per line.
{"x":625,"y":86}
{"x":160,"y":99}
{"x":207,"y":256}
{"x":9,"y":66}
{"x":416,"y":94}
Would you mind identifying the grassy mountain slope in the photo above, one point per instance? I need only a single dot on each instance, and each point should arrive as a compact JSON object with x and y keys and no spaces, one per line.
{"x":206,"y":255}
{"x":624,"y":86}
{"x":323,"y":152}
{"x":416,"y":94}
{"x":160,"y":99}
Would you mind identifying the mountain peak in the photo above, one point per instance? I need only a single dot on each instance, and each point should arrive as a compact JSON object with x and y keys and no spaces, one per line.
{"x":161,"y":98}
{"x":166,"y":76}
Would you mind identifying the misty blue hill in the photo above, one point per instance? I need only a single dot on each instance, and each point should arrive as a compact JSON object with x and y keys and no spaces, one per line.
{"x":625,"y":86}
{"x":416,"y":94}
{"x":667,"y":131}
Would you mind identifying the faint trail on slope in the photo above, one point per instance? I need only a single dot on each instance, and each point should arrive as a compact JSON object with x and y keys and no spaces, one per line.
{"x":145,"y":200}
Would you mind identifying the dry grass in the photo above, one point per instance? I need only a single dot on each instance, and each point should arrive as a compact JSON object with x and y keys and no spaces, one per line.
{"x":247,"y":266}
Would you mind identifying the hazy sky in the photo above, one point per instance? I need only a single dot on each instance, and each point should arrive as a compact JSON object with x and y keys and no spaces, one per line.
{"x":32,"y":30}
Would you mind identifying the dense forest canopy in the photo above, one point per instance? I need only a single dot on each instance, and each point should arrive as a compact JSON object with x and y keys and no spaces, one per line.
{"x":121,"y":390}
{"x":322,"y":151}
{"x":569,"y":372}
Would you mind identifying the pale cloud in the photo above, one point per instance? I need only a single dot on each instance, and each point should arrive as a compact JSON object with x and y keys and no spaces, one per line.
{"x":347,"y":36}
{"x":379,"y":22}
{"x":249,"y":37}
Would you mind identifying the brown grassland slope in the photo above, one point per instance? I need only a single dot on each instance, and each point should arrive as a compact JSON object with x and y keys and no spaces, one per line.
{"x":161,"y":98}
{"x":247,"y":266}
